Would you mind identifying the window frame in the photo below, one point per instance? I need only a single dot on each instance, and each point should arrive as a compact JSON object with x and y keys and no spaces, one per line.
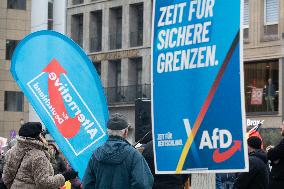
{"x":16,"y":43}
{"x":265,"y":13}
{"x":16,"y":96}
{"x":269,"y":63}
{"x":245,"y":26}
{"x":16,"y":5}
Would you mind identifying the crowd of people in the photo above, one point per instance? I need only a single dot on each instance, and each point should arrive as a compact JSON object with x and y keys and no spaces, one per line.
{"x":266,"y":168}
{"x":32,"y":162}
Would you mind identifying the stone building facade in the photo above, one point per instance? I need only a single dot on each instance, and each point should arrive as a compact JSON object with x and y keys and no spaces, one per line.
{"x":263,"y":64}
{"x":15,"y":24}
{"x":116,"y":35}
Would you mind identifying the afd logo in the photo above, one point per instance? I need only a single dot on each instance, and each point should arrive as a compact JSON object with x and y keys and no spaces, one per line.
{"x":220,"y":139}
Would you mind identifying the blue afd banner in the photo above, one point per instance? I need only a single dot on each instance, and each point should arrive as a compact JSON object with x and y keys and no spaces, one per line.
{"x":197,"y":87}
{"x":64,"y":88}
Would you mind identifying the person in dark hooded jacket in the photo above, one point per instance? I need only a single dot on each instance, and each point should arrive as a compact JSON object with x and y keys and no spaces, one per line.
{"x":276,"y":156}
{"x":117,"y":164}
{"x":163,"y":181}
{"x":258,"y":175}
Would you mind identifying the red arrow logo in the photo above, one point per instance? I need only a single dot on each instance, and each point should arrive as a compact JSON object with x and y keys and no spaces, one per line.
{"x":68,"y":126}
{"x":220,"y":157}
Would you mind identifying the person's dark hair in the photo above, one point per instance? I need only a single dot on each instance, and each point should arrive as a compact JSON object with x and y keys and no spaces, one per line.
{"x":55,"y":148}
{"x":254,"y":142}
{"x":31,"y":130}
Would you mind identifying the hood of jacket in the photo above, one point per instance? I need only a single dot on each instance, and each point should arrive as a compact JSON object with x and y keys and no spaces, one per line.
{"x":114,"y":151}
{"x":260,"y":154}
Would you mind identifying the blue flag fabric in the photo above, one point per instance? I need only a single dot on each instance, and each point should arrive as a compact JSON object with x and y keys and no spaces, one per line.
{"x":65,"y":90}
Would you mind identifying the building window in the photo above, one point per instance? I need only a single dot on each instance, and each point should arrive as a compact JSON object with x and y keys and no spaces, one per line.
{"x":134,"y":88}
{"x":98,"y":66}
{"x":77,"y":29}
{"x":261,"y":87}
{"x":118,"y":90}
{"x":96,"y":31}
{"x":138,"y":77}
{"x":246,"y":21}
{"x":271,"y":12}
{"x":14,"y":101}
{"x":114,"y":92}
{"x":10,"y":47}
{"x":16,"y":4}
{"x":139,"y":71}
{"x":50,"y":15}
{"x":115,"y":28}
{"x":271,"y":18}
{"x":136,"y":25}
{"x":76,"y":2}
{"x":118,"y":74}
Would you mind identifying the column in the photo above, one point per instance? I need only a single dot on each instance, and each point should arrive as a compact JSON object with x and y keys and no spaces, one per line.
{"x":125,"y":26}
{"x":86,"y":32}
{"x":105,"y":29}
{"x":104,"y":73}
{"x":147,"y":25}
{"x":69,"y":26}
{"x":146,"y":69}
{"x":281,"y":22}
{"x":39,"y":13}
{"x":124,"y":71}
{"x":59,"y":16}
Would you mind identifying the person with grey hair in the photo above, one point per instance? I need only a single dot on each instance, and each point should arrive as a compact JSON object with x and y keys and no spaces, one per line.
{"x":117,"y":164}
